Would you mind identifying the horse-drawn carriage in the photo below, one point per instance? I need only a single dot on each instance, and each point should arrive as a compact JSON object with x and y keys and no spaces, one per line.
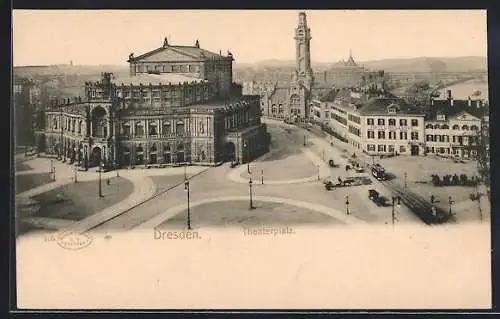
{"x":330,"y":184}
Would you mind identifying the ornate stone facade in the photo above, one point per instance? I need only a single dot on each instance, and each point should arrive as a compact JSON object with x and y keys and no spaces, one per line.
{"x":160,"y":117}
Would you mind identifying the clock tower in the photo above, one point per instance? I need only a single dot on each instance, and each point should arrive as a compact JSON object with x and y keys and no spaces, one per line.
{"x":303,"y":71}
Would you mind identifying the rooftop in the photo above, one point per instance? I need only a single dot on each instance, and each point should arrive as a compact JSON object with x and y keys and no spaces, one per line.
{"x":380,"y":106}
{"x":445,"y":107}
{"x":155,"y":79}
{"x":169,"y":52}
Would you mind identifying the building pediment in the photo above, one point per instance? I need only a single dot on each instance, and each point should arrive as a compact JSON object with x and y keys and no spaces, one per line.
{"x":178,"y":54}
{"x":464,"y":116}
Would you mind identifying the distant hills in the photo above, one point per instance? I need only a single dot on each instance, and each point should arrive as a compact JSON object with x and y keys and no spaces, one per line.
{"x":410,"y":65}
{"x":84,"y":70}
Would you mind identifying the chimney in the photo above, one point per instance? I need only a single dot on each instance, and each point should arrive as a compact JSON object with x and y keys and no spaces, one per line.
{"x":451,"y":101}
{"x":469,"y":102}
{"x":478,"y":103}
{"x":432,"y":101}
{"x":448,"y":92}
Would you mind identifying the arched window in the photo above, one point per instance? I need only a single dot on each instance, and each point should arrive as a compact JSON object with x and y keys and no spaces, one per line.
{"x":139,"y":129}
{"x":179,"y":127}
{"x":139,"y":149}
{"x":180,"y":147}
{"x":167,"y":147}
{"x":429,"y":126}
{"x":465,"y":128}
{"x":445,"y":127}
{"x":152,"y":129}
{"x":80,"y":127}
{"x":455,"y":127}
{"x":202,"y":127}
{"x":99,"y":123}
{"x":437,"y":127}
{"x":295,"y":101}
{"x":153,"y":148}
{"x":473,"y":128}
{"x":54,"y":123}
{"x":167,"y":128}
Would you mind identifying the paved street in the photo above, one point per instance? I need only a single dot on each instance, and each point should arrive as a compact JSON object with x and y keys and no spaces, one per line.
{"x":291,"y":174}
{"x":223,"y":184}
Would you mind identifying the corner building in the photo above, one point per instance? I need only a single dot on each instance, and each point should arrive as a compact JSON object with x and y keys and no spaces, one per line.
{"x":177,"y":106}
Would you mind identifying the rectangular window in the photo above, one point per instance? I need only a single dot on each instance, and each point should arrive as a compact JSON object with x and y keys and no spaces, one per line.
{"x":371,"y":134}
{"x":381,"y":122}
{"x":370,"y":147}
{"x":414,"y":122}
{"x":381,"y":148}
{"x":403,"y":135}
{"x":156,"y":94}
{"x":392,"y":135}
{"x":369,"y":121}
{"x":403,"y":122}
{"x":402,"y":149}
{"x":126,"y":130}
{"x":139,"y":130}
{"x":414,"y":135}
{"x":145,"y":94}
{"x":392,"y":122}
{"x":391,"y":148}
{"x":381,"y":135}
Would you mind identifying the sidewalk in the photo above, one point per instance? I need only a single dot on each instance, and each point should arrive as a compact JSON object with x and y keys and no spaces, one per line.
{"x":324,"y":171}
{"x":341,"y":216}
{"x":335,"y":152}
{"x":47,"y":223}
{"x":144,"y":188}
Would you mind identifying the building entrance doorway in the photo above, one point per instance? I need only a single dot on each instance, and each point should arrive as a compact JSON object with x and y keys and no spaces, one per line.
{"x":230,"y":152}
{"x":96,"y":157}
{"x":414,"y":150}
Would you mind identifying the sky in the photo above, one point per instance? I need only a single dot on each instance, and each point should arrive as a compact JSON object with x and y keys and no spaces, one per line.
{"x":108,"y":36}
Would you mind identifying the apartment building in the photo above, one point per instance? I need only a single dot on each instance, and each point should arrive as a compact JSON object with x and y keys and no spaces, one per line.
{"x":453,"y":128}
{"x":377,"y":124}
{"x":381,"y":124}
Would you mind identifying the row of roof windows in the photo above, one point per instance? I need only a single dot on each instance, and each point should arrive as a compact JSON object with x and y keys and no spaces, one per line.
{"x":454,"y":127}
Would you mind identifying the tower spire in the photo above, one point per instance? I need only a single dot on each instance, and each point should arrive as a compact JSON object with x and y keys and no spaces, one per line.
{"x":303,"y":51}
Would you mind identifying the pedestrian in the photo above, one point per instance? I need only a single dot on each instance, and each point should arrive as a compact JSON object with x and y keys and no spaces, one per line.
{"x":432,"y":199}
{"x":108,"y":182}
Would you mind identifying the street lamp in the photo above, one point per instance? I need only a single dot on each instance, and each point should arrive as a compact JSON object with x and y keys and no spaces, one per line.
{"x":101,"y":166}
{"x":396,"y":201}
{"x":406,"y":183}
{"x":186,"y":188}
{"x":74,"y":170}
{"x":247,"y":155}
{"x":304,"y":140}
{"x":262,"y":176}
{"x":450,"y":202}
{"x":317,"y":170}
{"x":250,"y":193}
{"x":347,"y":204}
{"x":53,"y":170}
